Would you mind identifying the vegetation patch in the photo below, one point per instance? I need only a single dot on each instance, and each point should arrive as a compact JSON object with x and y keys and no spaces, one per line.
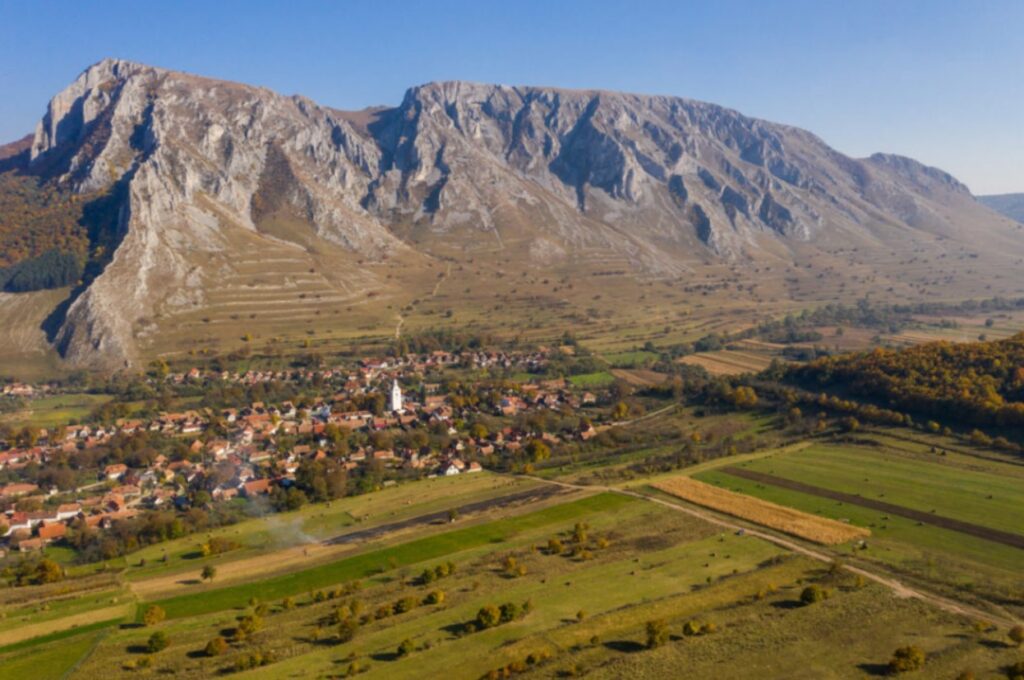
{"x":788,"y":520}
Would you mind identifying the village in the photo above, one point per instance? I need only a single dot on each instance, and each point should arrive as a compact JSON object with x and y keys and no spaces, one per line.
{"x":397,"y":417}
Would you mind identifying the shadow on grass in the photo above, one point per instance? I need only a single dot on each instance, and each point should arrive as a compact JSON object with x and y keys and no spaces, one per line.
{"x":625,"y":646}
{"x":788,"y":604}
{"x":877,"y":670}
{"x":996,"y":644}
{"x":384,"y":656}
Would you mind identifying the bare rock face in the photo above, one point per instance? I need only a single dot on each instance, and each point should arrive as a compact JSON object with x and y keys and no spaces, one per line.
{"x":190,"y":162}
{"x":187,"y":154}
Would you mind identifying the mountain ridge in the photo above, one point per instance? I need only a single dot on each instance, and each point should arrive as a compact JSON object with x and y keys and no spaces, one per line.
{"x":663,"y":186}
{"x":1011,"y":205}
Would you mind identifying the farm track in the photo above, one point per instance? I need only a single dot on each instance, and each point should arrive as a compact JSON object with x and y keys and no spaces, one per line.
{"x":535,"y":494}
{"x":898,"y":588}
{"x":976,"y":530}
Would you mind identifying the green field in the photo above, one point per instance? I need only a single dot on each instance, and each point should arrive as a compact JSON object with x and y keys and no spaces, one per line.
{"x":52,"y":657}
{"x":381,"y":561}
{"x":981,"y":491}
{"x":55,"y":410}
{"x":594,"y":380}
{"x":314,"y":521}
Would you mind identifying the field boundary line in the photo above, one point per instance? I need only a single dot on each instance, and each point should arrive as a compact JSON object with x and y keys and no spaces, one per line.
{"x":898,"y":588}
{"x":940,"y":521}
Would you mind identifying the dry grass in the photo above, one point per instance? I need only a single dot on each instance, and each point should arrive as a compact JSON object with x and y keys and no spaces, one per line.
{"x":788,"y":520}
{"x":639,"y":377}
{"x":729,"y":362}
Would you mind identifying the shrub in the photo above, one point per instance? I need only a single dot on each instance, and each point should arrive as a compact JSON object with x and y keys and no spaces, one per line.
{"x":813,"y":593}
{"x":434,"y":597}
{"x":1017,"y":635}
{"x":157,"y":641}
{"x":406,"y":647}
{"x":153,"y":615}
{"x":905,"y":659}
{"x":406,"y":604}
{"x":488,"y":616}
{"x":216,"y":646}
{"x":347,"y":630}
{"x":657,"y":633}
{"x":509,"y":612}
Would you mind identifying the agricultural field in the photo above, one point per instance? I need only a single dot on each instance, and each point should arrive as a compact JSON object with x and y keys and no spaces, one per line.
{"x":730,"y":362}
{"x":972,"y":491}
{"x":786,"y":520}
{"x":56,"y":410}
{"x":715,"y":596}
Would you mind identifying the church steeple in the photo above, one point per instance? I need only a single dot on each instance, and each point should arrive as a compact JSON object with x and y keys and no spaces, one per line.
{"x":395,"y":403}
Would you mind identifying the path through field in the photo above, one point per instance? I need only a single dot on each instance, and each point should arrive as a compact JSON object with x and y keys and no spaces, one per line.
{"x":899,"y":588}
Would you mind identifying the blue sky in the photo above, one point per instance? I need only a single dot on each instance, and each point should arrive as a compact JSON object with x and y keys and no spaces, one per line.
{"x":940,"y":81}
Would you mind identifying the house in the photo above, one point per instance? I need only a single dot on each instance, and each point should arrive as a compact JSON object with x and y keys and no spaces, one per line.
{"x":115,"y":471}
{"x":50,"y":532}
{"x":15,"y":490}
{"x":30,"y":544}
{"x":256,"y":487}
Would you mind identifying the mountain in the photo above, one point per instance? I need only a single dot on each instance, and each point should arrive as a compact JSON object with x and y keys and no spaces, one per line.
{"x":1011,"y":205}
{"x":211,"y":207}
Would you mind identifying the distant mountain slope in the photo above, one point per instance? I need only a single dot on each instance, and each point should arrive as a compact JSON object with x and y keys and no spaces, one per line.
{"x":1011,"y":205}
{"x":221,"y":201}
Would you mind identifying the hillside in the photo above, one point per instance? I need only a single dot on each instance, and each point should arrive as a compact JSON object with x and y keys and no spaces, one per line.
{"x":1011,"y":205}
{"x":216,"y":211}
{"x":978,"y":384}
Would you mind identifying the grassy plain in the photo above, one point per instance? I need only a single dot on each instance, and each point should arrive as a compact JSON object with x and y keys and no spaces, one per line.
{"x":55,"y":410}
{"x":964,"y":487}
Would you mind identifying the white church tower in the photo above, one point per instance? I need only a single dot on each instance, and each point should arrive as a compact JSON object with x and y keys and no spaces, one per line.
{"x":395,"y":403}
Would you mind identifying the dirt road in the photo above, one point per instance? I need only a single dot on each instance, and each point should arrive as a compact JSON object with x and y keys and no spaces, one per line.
{"x":898,"y":588}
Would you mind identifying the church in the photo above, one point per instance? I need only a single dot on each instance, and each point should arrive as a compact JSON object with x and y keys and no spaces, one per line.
{"x":395,"y":402}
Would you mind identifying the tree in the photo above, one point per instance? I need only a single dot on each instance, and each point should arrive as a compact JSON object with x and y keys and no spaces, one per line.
{"x":905,"y":659}
{"x":157,"y":641}
{"x":153,"y":615}
{"x":347,"y":629}
{"x":813,"y":593}
{"x":1017,"y":635}
{"x":209,"y":572}
{"x":657,"y":633}
{"x":538,"y":451}
{"x":488,"y":616}
{"x":48,"y":571}
{"x":216,"y":646}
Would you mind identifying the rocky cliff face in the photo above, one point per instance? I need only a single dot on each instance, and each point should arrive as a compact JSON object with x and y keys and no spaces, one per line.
{"x":554,"y":173}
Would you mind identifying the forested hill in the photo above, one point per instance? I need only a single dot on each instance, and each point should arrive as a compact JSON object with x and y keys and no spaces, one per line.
{"x":979,"y":384}
{"x":43,"y":241}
